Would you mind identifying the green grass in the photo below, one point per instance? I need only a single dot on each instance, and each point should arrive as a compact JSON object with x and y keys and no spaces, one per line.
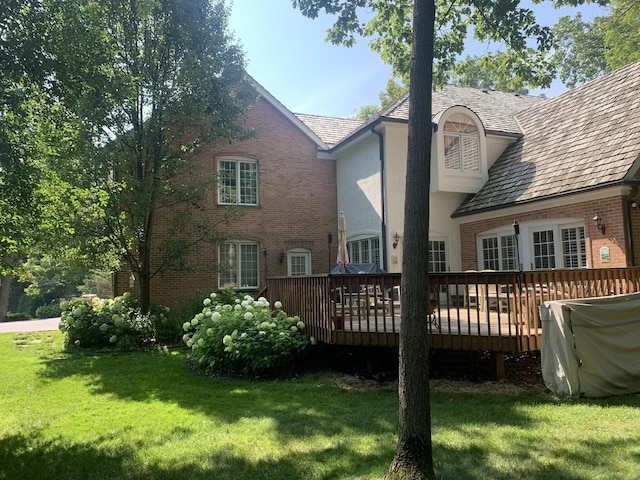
{"x":143,"y":416}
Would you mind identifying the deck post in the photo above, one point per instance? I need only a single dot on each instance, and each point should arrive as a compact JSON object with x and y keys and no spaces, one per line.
{"x":497,"y":365}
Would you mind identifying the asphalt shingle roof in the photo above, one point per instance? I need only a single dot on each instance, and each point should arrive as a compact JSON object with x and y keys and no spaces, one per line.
{"x":330,"y":129}
{"x":495,"y":109}
{"x":585,"y":138}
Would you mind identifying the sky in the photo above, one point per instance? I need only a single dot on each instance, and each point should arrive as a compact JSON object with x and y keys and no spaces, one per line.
{"x":287,"y":54}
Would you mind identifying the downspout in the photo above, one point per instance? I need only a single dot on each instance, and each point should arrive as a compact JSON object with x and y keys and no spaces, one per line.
{"x":631,"y":261}
{"x":382,"y":198}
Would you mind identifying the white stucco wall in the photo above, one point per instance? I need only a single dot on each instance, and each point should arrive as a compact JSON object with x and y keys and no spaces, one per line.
{"x":359,"y":188}
{"x":360,"y":197}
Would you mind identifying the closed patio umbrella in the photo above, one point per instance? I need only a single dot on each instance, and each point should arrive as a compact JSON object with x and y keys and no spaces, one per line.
{"x":343,"y":253}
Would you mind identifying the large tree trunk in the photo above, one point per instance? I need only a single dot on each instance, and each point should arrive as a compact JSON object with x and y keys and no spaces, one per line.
{"x":413,"y":458}
{"x":5,"y":290}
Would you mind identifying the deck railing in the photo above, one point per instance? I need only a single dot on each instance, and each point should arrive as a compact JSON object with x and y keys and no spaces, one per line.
{"x":491,"y":311}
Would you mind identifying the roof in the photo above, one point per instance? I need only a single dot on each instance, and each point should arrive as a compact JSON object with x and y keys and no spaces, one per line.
{"x":495,"y":109}
{"x":330,"y":129}
{"x":586,"y":138}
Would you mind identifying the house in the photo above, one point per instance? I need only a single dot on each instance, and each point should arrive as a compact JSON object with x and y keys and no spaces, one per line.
{"x":564,"y":171}
{"x":285,"y":187}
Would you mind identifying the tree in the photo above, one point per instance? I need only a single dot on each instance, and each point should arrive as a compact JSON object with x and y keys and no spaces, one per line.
{"x":393,"y":91}
{"x":33,"y":132}
{"x":587,"y":50}
{"x":490,"y":71}
{"x":153,"y":82}
{"x":399,"y":31}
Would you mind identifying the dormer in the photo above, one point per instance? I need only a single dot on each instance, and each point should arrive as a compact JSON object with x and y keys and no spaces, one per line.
{"x":461,"y":152}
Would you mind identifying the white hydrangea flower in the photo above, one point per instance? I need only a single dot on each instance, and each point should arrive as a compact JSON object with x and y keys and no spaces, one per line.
{"x":248,"y":316}
{"x":195,"y":321}
{"x":300,"y":326}
{"x":313,"y":340}
{"x":215,"y":316}
{"x":227,"y":340}
{"x":294,"y":328}
{"x":278,"y":304}
{"x":186,"y":326}
{"x":113,"y":339}
{"x":238,"y":307}
{"x":207,"y":302}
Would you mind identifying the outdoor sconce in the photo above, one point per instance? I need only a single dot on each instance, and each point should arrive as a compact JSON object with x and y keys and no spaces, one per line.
{"x":516,"y":228}
{"x":132,"y":280}
{"x":281,"y":257}
{"x":396,"y":239}
{"x":329,"y":238}
{"x":598,"y":222}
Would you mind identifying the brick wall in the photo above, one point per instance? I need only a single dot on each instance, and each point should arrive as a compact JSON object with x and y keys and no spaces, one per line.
{"x":297,"y":196}
{"x":611,"y":210}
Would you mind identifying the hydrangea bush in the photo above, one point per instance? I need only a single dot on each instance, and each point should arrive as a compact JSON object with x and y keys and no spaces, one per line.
{"x":246,"y":337}
{"x":115,"y":323}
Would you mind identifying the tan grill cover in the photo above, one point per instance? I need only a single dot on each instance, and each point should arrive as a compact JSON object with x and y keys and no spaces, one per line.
{"x":591,"y":346}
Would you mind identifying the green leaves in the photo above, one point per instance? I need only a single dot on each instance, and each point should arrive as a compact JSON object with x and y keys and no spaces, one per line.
{"x":243,"y":337}
{"x":524,"y":45}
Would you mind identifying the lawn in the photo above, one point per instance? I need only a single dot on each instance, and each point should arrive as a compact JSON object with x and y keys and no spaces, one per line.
{"x":143,"y":416}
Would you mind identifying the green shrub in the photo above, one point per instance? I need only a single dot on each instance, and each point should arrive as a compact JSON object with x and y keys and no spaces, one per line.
{"x":17,"y":316}
{"x":245,"y":337}
{"x":48,"y":311}
{"x":169,"y":328}
{"x":113,"y":323}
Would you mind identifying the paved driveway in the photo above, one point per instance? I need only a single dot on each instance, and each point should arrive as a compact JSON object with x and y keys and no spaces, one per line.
{"x":30,"y":325}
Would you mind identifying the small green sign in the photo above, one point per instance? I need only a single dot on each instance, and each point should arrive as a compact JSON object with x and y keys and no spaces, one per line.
{"x":604,"y":255}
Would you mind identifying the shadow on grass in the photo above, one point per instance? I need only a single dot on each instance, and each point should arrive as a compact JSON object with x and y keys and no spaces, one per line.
{"x":23,"y":457}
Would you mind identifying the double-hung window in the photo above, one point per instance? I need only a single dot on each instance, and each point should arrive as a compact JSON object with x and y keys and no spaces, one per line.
{"x":237,"y":181}
{"x":239,"y":262}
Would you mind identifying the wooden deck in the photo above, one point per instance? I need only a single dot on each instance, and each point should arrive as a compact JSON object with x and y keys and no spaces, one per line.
{"x":478,"y":311}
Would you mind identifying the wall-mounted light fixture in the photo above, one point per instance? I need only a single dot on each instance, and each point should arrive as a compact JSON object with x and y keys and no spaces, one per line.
{"x":132,"y":280}
{"x":396,"y":240}
{"x":598,"y":222}
{"x":281,"y":257}
{"x":516,"y":228}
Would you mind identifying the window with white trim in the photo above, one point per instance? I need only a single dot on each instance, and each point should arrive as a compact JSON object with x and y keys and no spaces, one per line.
{"x":574,"y":253}
{"x":461,"y":144}
{"x":366,"y":250}
{"x":239,"y":265}
{"x":499,"y":252}
{"x":437,"y":256}
{"x":299,"y":261}
{"x":237,"y":181}
{"x":544,"y":249}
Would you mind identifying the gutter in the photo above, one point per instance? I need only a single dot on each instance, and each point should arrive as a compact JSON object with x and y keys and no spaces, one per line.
{"x":540,"y":199}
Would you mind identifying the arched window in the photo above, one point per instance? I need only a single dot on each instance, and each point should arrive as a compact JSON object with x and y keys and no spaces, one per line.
{"x":461,"y":144}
